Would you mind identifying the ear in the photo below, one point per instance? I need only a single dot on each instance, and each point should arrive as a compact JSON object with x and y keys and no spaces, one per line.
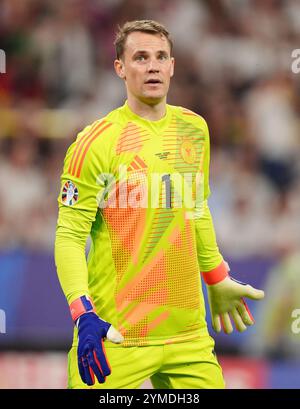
{"x":120,"y":68}
{"x":173,"y":64}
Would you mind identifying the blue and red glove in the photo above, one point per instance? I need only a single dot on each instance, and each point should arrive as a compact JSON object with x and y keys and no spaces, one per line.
{"x":92,"y":331}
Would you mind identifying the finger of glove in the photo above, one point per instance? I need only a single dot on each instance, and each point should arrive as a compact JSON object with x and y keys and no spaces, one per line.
{"x":238,"y":322}
{"x":101,"y":357}
{"x":81,"y":370}
{"x":245,"y":313}
{"x":216,"y":323}
{"x":95,"y":366}
{"x":226,"y":323}
{"x":87,"y":377}
{"x":253,"y":293}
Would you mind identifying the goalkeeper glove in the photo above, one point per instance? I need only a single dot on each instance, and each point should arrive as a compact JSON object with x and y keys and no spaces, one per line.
{"x":92,"y":330}
{"x":226,"y":298}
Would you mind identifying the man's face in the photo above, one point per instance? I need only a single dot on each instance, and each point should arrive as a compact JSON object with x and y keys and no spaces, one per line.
{"x":146,"y":66}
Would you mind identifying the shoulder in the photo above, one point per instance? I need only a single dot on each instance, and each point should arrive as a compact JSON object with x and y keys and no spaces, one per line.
{"x":106,"y":125}
{"x":100,"y":132}
{"x":93,"y":144}
{"x":189,"y":116}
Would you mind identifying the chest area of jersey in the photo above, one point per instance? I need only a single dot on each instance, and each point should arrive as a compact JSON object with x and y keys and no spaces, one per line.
{"x":152,"y":170}
{"x":179,"y":148}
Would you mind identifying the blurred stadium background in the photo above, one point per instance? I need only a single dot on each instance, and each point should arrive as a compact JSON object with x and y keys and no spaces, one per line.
{"x":233,"y":66}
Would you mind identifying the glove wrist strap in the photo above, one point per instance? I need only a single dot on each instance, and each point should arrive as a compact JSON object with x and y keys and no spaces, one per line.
{"x":216,"y":275}
{"x":80,"y":306}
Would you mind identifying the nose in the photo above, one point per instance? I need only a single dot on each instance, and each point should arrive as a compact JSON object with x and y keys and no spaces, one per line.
{"x":153,"y":66}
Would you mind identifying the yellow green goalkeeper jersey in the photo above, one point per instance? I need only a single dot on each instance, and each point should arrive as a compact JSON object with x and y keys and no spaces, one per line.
{"x":139,"y":188}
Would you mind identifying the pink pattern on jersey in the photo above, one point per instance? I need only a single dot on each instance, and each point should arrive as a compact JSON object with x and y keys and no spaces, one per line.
{"x":131,"y":138}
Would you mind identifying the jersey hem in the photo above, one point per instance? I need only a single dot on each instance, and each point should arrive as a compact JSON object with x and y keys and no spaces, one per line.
{"x":138,"y":342}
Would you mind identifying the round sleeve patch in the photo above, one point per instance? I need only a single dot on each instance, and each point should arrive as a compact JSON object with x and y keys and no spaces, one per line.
{"x":69,"y":194}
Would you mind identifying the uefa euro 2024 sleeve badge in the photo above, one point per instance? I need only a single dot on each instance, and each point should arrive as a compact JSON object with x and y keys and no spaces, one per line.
{"x":69,"y":194}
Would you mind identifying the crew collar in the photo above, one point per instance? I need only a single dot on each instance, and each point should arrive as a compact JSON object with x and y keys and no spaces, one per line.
{"x":159,"y":124}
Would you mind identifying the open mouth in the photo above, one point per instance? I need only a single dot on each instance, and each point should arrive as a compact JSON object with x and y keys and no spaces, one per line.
{"x":153,"y":81}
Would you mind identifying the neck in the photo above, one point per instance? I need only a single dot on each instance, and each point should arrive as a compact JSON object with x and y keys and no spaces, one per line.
{"x":151,"y":112}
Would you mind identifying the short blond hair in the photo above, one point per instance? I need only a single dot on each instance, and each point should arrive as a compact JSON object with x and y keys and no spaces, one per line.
{"x":145,"y":26}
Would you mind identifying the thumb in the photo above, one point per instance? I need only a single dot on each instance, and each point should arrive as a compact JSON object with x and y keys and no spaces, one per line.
{"x":253,"y":293}
{"x":114,"y":336}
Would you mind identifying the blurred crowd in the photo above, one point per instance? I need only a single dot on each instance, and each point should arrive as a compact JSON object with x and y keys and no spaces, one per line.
{"x":233,"y":67}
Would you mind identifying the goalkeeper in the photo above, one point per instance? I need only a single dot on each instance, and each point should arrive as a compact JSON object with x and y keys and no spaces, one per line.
{"x":137,"y":182}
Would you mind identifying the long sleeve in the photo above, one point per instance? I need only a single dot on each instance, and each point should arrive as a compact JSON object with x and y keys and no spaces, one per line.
{"x":81,"y":187}
{"x":71,"y":235}
{"x":208,"y":252}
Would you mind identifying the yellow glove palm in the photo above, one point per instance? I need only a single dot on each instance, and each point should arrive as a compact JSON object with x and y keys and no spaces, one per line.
{"x":226,"y":299}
